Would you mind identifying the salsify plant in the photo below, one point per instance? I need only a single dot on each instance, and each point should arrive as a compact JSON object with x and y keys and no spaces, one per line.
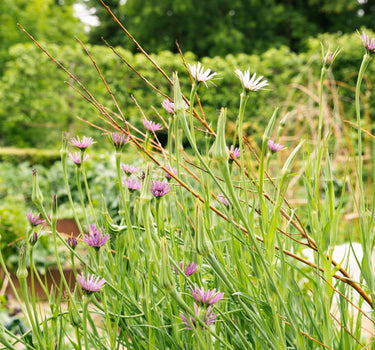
{"x":207,"y":253}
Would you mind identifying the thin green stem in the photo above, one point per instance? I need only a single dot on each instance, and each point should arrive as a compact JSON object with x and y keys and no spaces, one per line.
{"x":193,"y":90}
{"x":33,"y":286}
{"x":78,"y":181}
{"x":85,"y":320}
{"x":34,"y":326}
{"x":366,"y":60}
{"x":65,"y":175}
{"x":88,"y":189}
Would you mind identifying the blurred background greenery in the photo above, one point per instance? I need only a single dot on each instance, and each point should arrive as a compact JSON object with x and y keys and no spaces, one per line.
{"x":276,"y":38}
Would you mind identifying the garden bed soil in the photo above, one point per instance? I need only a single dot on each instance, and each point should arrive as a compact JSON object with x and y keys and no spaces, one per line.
{"x":52,"y":277}
{"x":67,"y":227}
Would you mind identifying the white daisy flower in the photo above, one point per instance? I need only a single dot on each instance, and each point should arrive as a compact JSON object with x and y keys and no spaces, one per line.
{"x":199,"y":74}
{"x":253,"y":84}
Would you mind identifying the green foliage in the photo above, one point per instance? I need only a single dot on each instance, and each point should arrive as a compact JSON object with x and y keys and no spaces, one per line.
{"x":222,"y":27}
{"x":47,"y":20}
{"x":35,"y":114}
{"x":13,"y":224}
{"x":30,"y":155}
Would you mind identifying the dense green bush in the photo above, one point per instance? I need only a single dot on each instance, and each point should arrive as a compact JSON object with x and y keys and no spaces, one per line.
{"x":30,"y":155}
{"x":13,"y":224}
{"x":34,"y":114}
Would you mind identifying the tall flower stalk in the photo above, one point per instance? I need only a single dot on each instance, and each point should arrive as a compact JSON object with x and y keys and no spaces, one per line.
{"x":365,"y":235}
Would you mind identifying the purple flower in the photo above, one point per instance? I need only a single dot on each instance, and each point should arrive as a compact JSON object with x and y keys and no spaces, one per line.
{"x":151,"y":126}
{"x":209,"y":317}
{"x":224,"y":200}
{"x":168,"y":105}
{"x":253,"y":83}
{"x":160,"y":188}
{"x":369,"y":46}
{"x":274,"y":147}
{"x":174,"y":171}
{"x":34,"y":220}
{"x":206,"y":298}
{"x":235,"y":152}
{"x":82,"y":145}
{"x":96,"y":238}
{"x":132,"y":184}
{"x":199,"y":74}
{"x":119,"y":140}
{"x":76,"y":157}
{"x":328,"y":59}
{"x":72,"y":242}
{"x":90,"y":284}
{"x":189,"y":269}
{"x":129,"y":169}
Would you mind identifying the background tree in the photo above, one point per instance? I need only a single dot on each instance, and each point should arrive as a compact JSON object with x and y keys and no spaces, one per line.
{"x":220,"y":27}
{"x":47,"y":20}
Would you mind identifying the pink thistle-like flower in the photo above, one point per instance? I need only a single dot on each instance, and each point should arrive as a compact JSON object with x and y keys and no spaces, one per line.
{"x":132,"y":184}
{"x":206,"y":298}
{"x":76,"y":157}
{"x":253,"y":83}
{"x":235,"y":152}
{"x":90,"y":284}
{"x":369,"y":46}
{"x":151,"y":126}
{"x":34,"y":220}
{"x":209,"y":317}
{"x":168,"y":106}
{"x":129,"y":169}
{"x":189,"y":269}
{"x":224,"y":200}
{"x":159,"y":188}
{"x":82,"y":145}
{"x":174,"y":171}
{"x":96,"y":237}
{"x":274,"y":147}
{"x":119,"y":140}
{"x":199,"y":74}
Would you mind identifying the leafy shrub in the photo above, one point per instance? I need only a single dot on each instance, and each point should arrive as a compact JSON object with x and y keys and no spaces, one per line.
{"x":13,"y":226}
{"x":56,"y":105}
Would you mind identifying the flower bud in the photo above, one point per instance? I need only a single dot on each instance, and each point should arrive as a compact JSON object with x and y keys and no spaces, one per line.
{"x":36,"y":195}
{"x":74,"y":316}
{"x":65,"y":143}
{"x":145,"y":191}
{"x":54,"y":205}
{"x":72,"y":242}
{"x":165,"y":279}
{"x":219,"y":148}
{"x":179,"y":104}
{"x":201,"y":244}
{"x":270,"y":126}
{"x":22,"y":269}
{"x":287,"y":168}
{"x":327,"y":60}
{"x":33,"y":238}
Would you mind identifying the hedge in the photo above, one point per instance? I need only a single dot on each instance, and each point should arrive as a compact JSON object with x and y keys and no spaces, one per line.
{"x":34,"y":95}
